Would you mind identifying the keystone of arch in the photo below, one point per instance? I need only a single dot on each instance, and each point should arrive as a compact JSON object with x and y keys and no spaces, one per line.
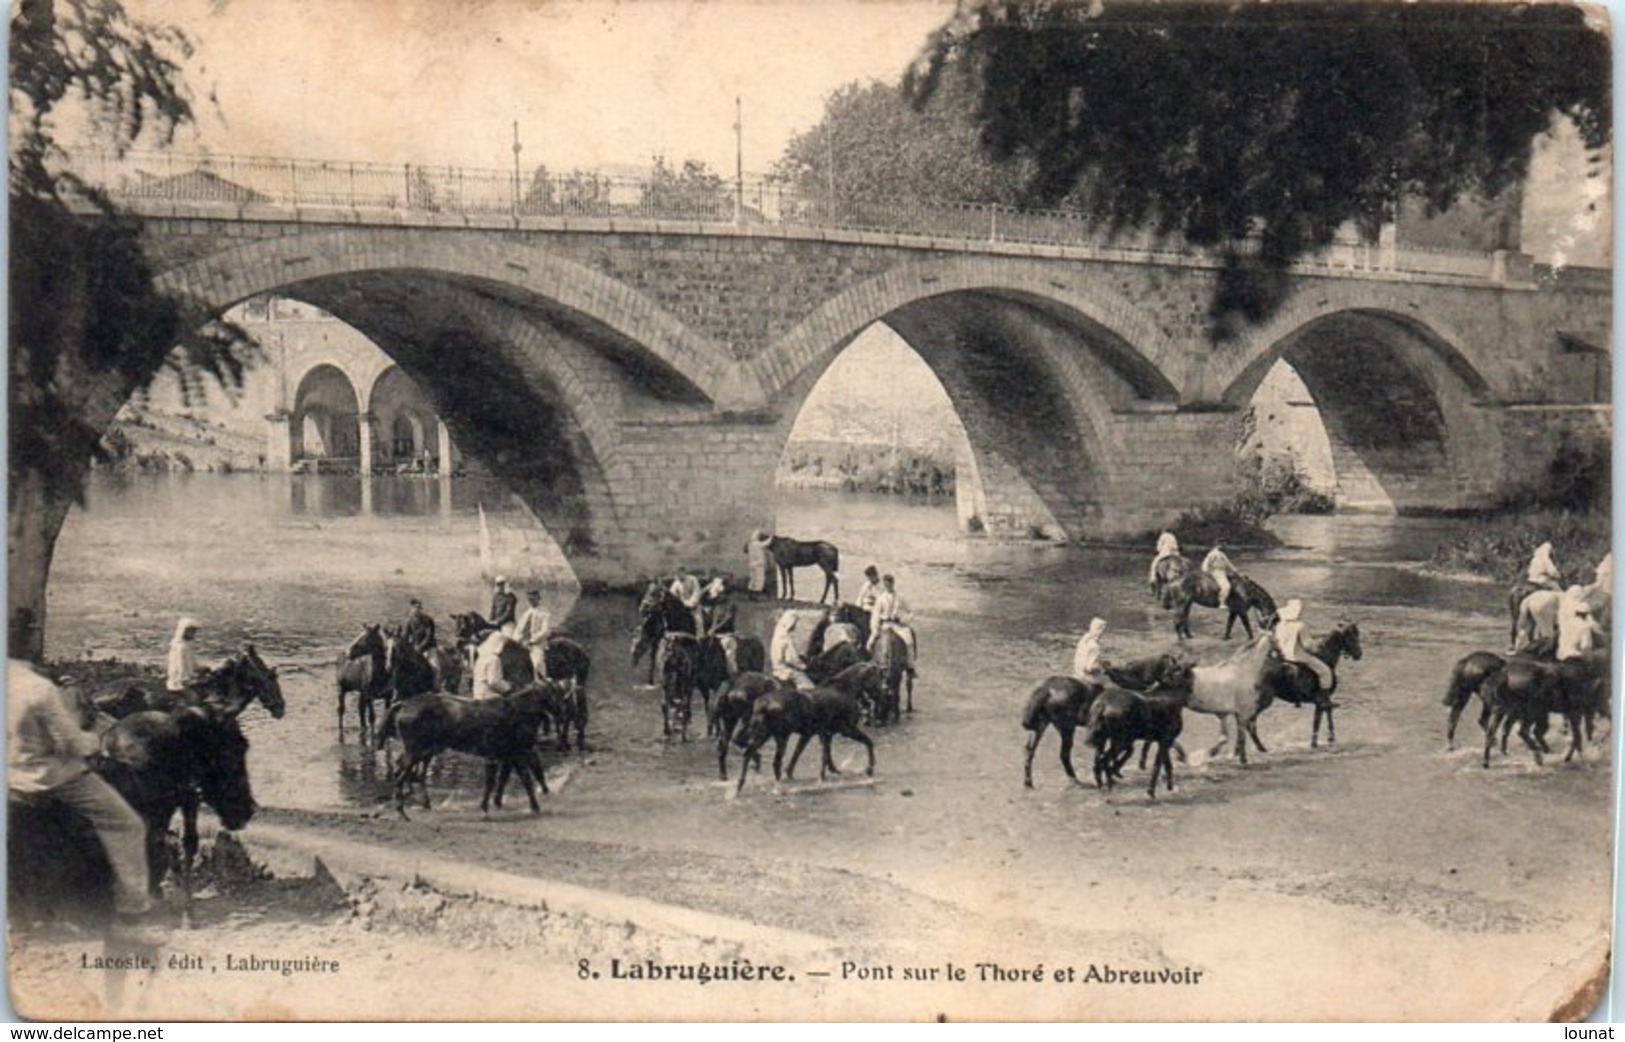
{"x":214,"y":283}
{"x":838,"y":320}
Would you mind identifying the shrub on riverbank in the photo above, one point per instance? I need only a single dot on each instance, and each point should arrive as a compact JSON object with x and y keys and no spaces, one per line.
{"x":1566,"y":505}
{"x":1237,"y":523}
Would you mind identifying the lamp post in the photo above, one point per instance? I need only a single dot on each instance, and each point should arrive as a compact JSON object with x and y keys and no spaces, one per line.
{"x":516,"y":149}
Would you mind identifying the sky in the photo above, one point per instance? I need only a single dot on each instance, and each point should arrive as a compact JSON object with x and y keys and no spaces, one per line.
{"x":590,"y":83}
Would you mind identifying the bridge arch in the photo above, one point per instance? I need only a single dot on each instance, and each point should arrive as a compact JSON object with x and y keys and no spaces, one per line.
{"x":623,"y":322}
{"x":1400,"y":402}
{"x":326,"y":414}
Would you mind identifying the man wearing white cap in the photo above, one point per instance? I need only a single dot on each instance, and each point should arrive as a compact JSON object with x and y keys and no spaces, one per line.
{"x":489,"y":681}
{"x":1167,"y":546}
{"x":1289,"y":640}
{"x":183,"y":670}
{"x":783,"y":658}
{"x":1577,"y":631}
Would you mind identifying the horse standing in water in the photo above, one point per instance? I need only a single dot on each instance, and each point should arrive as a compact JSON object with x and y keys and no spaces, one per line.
{"x":891,"y":655}
{"x":1236,"y":691}
{"x":1298,"y":684}
{"x":229,"y":689}
{"x":1061,"y":702}
{"x":790,"y":554}
{"x":362,"y":671}
{"x":659,"y":613}
{"x":1179,"y":586}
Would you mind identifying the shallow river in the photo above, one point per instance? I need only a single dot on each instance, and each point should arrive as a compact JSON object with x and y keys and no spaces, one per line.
{"x":1400,"y":837}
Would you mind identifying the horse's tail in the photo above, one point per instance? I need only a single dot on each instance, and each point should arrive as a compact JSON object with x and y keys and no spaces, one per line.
{"x":380,"y":735}
{"x":1034,"y":708}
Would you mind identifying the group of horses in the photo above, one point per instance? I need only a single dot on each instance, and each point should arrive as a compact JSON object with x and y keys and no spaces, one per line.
{"x":1525,"y":687}
{"x":728,"y":671}
{"x":1144,"y":700}
{"x":163,"y":752}
{"x":423,"y":692}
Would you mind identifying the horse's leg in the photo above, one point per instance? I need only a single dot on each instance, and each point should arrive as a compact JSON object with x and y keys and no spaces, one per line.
{"x":1575,"y":741}
{"x":908,"y":678}
{"x":751,"y":749}
{"x":1145,"y":748}
{"x":1506,"y":730}
{"x":851,"y":731}
{"x":1490,"y":728}
{"x":1314,"y":730}
{"x":1241,"y":739}
{"x":1032,"y":747}
{"x":523,"y":768}
{"x":1224,"y":735}
{"x":1229,"y":628}
{"x":828,"y":762}
{"x":1246,"y":623}
{"x":725,"y":733}
{"x":341,"y":716}
{"x":1252,"y":729}
{"x":1450,"y":729}
{"x":1331,"y":726}
{"x":490,"y":786}
{"x":1529,"y":740}
{"x":779,"y":742}
{"x":1068,"y":734}
{"x":801,"y":743}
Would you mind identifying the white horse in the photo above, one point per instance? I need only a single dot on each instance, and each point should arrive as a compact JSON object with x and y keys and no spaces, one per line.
{"x":1537,"y":615}
{"x":1235,"y":692}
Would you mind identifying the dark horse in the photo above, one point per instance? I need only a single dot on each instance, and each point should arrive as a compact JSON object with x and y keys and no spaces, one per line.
{"x":362,"y":671}
{"x":229,"y":689}
{"x":678,"y":659}
{"x":1526,"y":690}
{"x":1186,"y":587}
{"x":502,"y":730}
{"x":790,"y":554}
{"x":563,"y":660}
{"x":1298,"y":685}
{"x":659,"y":613}
{"x":891,"y":655}
{"x":1060,"y":702}
{"x":824,"y":711}
{"x":164,"y":762}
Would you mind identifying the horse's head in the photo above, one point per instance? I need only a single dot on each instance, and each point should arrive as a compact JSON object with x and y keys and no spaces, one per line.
{"x":267,"y":688}
{"x":1349,"y":632}
{"x":218,"y":748}
{"x":369,"y":644}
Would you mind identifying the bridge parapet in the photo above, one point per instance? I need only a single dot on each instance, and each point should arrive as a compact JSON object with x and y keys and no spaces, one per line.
{"x":301,"y":191}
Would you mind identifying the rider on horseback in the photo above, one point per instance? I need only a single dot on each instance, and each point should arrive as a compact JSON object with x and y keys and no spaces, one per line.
{"x":504,"y":606}
{"x":869,"y":592}
{"x":419,"y":629}
{"x":1543,"y":570}
{"x":183,"y":670}
{"x":1087,"y":665}
{"x":489,"y":681}
{"x":47,"y":757}
{"x":1217,"y":564}
{"x":1167,"y":546}
{"x":1289,"y":641}
{"x":888,"y":613}
{"x":532,"y":632}
{"x":686,"y":588}
{"x":787,"y":664}
{"x":1577,"y":631}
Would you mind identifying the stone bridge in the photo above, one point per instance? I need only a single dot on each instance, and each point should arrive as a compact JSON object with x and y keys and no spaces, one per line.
{"x":635,"y":380}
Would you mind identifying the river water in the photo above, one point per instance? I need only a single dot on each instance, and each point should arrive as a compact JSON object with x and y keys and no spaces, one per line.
{"x":296,"y":565}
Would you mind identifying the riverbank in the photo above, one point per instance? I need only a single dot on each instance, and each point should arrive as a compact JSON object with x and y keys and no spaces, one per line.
{"x":1499,"y":546}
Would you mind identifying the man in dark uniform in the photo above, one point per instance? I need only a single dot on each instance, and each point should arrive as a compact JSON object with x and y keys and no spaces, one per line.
{"x":419,"y":627}
{"x":504,"y":607}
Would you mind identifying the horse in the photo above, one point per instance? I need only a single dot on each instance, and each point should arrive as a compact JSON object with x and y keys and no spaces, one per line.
{"x":229,"y":689}
{"x":1117,"y":719}
{"x":710,"y":674}
{"x":733,"y":710}
{"x":407,"y":672}
{"x":821,"y":667}
{"x":568,"y":663}
{"x":676,"y":664}
{"x":362,"y":671}
{"x":1535,"y":618}
{"x":1236,"y":691}
{"x":164,"y":762}
{"x":1061,"y":702}
{"x":501,"y":730}
{"x":1466,"y":680}
{"x":1186,"y":586}
{"x":750,"y":656}
{"x":1297,"y":684}
{"x":659,"y":613}
{"x":891,"y":655}
{"x":790,"y":554}
{"x":1526,"y":691}
{"x":823,"y":711}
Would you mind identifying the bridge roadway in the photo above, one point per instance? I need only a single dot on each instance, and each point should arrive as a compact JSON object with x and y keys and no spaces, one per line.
{"x":635,"y":376}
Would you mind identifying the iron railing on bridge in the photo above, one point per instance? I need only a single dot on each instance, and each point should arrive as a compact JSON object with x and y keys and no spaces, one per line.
{"x":252,"y":183}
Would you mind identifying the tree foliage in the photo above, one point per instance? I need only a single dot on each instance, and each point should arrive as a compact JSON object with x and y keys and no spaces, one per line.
{"x":695,"y":191}
{"x":873,"y":146}
{"x":1260,"y":129}
{"x":85,"y":320}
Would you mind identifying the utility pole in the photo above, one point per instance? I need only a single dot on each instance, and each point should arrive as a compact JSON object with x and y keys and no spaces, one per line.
{"x":516,"y":150}
{"x":739,"y":160}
